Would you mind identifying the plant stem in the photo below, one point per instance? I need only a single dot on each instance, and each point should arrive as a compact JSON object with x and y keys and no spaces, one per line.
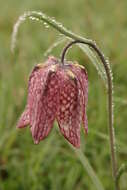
{"x":110,"y":100}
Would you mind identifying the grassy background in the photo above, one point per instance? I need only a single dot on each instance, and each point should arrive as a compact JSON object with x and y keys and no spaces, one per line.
{"x":53,"y":165}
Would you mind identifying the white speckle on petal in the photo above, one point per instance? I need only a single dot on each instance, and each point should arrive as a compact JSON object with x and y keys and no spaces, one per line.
{"x":65,"y":127}
{"x":72,"y":94}
{"x":63,"y":108}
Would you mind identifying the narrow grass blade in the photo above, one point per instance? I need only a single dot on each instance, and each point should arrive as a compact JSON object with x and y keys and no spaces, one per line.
{"x":95,"y":61}
{"x":83,"y":159}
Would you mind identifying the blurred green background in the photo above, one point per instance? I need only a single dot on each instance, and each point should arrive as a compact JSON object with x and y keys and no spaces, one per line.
{"x":53,"y":165}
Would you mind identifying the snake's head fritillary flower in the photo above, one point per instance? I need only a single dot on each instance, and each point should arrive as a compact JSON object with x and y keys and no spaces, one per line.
{"x":60,"y":92}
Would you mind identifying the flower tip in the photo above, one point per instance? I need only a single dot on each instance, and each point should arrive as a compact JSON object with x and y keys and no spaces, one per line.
{"x":36,"y":141}
{"x":77,"y":146}
{"x":18,"y":127}
{"x":86,"y":131}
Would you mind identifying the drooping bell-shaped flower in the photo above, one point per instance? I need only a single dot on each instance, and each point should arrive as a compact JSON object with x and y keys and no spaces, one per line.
{"x":56,"y":91}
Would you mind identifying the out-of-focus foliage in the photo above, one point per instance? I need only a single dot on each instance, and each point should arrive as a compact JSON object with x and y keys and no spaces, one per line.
{"x":53,"y":165}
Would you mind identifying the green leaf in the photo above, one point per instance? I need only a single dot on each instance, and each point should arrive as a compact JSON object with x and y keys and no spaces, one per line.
{"x":87,"y":166}
{"x":99,"y":67}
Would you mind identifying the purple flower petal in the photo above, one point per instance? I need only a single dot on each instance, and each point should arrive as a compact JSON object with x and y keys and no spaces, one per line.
{"x":69,"y":112}
{"x":43,"y":98}
{"x":82,"y":77}
{"x":24,"y":119}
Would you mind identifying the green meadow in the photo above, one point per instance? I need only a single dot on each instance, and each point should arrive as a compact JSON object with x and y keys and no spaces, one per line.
{"x":54,"y":164}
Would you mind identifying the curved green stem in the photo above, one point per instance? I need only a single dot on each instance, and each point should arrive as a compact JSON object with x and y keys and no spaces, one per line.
{"x":39,"y":16}
{"x":110,"y":100}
